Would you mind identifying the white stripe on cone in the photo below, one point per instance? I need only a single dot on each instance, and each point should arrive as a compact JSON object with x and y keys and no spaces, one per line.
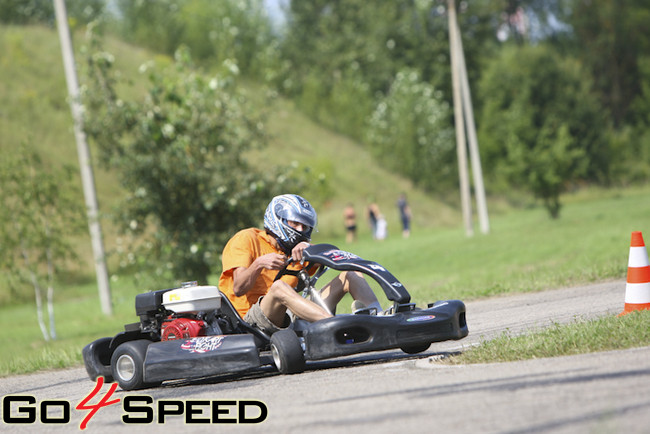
{"x":638,"y":257}
{"x":637,"y":293}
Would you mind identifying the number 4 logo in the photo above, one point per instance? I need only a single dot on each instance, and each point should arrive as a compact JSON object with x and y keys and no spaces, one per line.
{"x":94,"y":408}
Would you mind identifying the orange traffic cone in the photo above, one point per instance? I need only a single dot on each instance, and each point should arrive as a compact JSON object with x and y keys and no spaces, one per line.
{"x":637,"y":288}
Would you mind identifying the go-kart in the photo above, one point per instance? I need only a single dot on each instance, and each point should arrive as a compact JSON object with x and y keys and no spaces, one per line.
{"x":194,"y":331}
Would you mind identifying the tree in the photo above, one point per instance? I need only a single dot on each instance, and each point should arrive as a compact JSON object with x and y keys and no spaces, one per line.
{"x":237,"y":30}
{"x":540,"y":126}
{"x":335,"y":49}
{"x":410,"y":133}
{"x":42,"y":11}
{"x":180,"y":153}
{"x":610,"y":37}
{"x":40,"y":213}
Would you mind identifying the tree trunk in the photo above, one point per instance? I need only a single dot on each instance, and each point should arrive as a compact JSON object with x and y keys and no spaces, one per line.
{"x":50,"y":289}
{"x":38,"y":293}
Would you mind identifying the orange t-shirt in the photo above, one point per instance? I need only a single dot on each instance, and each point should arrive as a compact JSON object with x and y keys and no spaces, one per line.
{"x":241,"y":251}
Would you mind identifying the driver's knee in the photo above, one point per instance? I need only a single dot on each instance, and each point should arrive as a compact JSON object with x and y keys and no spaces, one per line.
{"x":280,"y":292}
{"x":350,"y":279}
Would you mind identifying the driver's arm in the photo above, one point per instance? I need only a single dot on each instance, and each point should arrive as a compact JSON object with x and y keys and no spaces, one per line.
{"x":244,"y":277}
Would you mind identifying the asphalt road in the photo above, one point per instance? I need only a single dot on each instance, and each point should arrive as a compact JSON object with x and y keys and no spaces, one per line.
{"x":389,"y":392}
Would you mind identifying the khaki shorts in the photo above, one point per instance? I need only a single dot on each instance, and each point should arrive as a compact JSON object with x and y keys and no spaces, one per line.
{"x":256,"y":317}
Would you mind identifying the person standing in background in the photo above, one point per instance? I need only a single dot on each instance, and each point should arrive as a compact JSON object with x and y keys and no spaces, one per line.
{"x":373,"y":214}
{"x":350,"y":222}
{"x":382,"y":228}
{"x":404,"y":214}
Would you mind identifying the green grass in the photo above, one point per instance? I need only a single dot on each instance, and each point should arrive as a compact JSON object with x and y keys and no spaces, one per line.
{"x":78,"y":319}
{"x":602,"y":334}
{"x":525,"y":250}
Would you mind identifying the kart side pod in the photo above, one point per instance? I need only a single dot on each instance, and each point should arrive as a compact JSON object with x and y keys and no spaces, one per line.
{"x":200,"y":357}
{"x":148,"y":363}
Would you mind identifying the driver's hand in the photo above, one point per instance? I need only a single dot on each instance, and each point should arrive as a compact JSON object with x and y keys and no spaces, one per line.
{"x":272,"y":261}
{"x":296,"y":253}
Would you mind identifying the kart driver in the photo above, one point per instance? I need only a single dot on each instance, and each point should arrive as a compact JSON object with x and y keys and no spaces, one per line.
{"x":252,"y":258}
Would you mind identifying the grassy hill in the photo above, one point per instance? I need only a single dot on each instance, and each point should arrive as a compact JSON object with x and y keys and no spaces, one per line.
{"x":351,"y":175}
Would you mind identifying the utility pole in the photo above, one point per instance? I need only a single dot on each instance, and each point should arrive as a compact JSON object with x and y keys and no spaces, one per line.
{"x":85,"y":165}
{"x":463,"y":105}
{"x":461,"y":147}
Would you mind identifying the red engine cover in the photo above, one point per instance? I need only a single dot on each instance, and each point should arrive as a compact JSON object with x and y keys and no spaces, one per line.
{"x":182,"y":328}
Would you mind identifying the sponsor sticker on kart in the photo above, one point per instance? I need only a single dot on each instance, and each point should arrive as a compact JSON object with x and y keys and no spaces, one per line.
{"x":340,"y":255}
{"x":421,"y":318}
{"x":203,"y":344}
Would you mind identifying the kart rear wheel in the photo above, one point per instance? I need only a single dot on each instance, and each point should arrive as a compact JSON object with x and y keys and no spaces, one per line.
{"x":127,"y":364}
{"x":287,"y":352}
{"x":414,"y":349}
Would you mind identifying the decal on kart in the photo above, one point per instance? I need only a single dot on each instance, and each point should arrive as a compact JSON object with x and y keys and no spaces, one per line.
{"x":340,"y":255}
{"x":203,"y":344}
{"x":421,"y":318}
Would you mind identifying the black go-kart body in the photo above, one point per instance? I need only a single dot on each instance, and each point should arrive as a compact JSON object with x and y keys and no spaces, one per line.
{"x":183,"y":335}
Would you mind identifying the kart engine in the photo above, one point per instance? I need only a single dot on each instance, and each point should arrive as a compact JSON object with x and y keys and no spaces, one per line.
{"x":182,"y":328}
{"x":181,"y":313}
{"x":186,"y":302}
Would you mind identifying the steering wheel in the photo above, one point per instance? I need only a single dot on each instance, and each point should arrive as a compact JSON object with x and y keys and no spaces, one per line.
{"x":286,"y":271}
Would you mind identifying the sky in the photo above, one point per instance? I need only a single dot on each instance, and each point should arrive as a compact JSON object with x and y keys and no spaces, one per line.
{"x":275,"y":11}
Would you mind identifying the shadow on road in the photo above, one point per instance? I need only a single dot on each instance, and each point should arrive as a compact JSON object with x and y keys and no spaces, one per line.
{"x":268,"y":369}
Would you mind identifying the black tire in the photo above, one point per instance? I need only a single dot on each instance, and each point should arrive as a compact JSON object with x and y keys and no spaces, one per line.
{"x":414,"y":349}
{"x":287,"y":352}
{"x":127,"y":364}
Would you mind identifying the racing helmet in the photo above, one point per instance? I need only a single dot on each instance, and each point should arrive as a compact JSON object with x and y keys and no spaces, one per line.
{"x":285,"y":208}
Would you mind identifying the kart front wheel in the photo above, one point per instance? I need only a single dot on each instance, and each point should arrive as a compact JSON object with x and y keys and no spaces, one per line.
{"x":414,"y":349}
{"x":127,"y":364}
{"x":287,"y":352}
